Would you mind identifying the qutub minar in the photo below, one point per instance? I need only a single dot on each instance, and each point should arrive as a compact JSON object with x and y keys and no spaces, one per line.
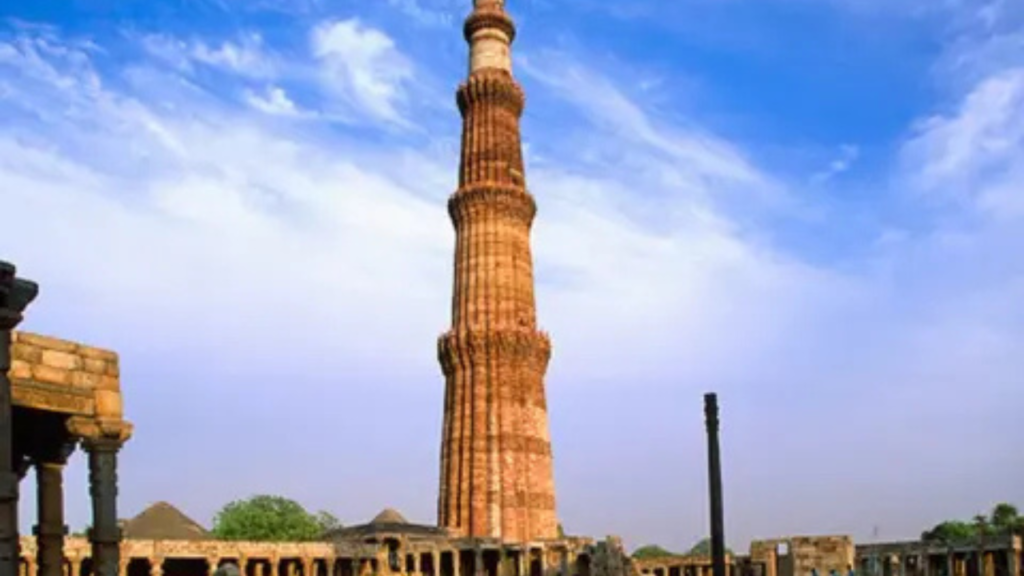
{"x":496,"y":473}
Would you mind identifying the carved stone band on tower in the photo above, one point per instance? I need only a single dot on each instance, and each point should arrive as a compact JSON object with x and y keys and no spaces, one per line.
{"x":496,"y":470}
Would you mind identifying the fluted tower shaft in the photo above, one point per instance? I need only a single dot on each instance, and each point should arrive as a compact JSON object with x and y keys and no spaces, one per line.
{"x":496,"y":470}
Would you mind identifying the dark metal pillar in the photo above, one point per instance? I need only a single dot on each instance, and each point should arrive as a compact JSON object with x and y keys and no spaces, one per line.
{"x":715,"y":486}
{"x":15,"y":295}
{"x":105,"y":535}
{"x":50,"y":530}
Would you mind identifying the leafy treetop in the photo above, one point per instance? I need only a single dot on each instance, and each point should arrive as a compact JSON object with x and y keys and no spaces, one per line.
{"x":271,"y":519}
{"x":1004,"y":519}
{"x":652,"y":551}
{"x":703,"y":548}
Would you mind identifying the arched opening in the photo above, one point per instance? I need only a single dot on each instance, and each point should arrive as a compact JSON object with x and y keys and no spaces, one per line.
{"x":447,"y":563}
{"x":427,"y":567}
{"x":492,"y":562}
{"x":138,"y":567}
{"x":583,"y":565}
{"x":536,"y":563}
{"x":185,"y":567}
{"x":394,"y":555}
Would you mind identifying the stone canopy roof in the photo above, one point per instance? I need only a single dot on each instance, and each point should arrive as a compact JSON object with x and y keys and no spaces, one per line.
{"x":162,"y":521}
{"x":389,"y":522}
{"x":389,"y":516}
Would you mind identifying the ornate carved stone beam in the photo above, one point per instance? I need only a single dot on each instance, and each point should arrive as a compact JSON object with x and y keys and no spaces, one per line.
{"x":15,"y":295}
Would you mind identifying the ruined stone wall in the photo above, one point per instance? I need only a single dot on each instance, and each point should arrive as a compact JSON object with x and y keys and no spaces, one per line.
{"x":804,"y":554}
{"x":564,"y":557}
{"x":611,"y":559}
{"x":62,"y":376}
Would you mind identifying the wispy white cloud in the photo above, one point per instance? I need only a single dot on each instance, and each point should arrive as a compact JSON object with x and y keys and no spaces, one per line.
{"x":247,"y":56}
{"x":845,"y":158}
{"x":363,"y":66}
{"x":974,"y":154}
{"x":430,"y":12}
{"x":274,"y":100}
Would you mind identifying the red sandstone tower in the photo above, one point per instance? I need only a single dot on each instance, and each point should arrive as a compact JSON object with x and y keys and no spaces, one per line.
{"x":496,"y":474}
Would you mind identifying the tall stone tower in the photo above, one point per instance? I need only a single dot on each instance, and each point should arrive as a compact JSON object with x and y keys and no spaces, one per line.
{"x":496,"y":474}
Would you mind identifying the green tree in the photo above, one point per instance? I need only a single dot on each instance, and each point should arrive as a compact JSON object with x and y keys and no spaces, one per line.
{"x":951,"y":532}
{"x":327,"y":521}
{"x":270,"y":519}
{"x":1005,"y":518}
{"x":703,"y":548}
{"x":652,"y":551}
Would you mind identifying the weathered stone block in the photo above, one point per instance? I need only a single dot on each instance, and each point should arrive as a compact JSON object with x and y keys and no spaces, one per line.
{"x":97,"y":353}
{"x":108,"y":383}
{"x":85,"y":379}
{"x":50,"y":375}
{"x":94,"y":365}
{"x":46,"y":342}
{"x":60,"y":359}
{"x":20,"y":369}
{"x":26,"y":352}
{"x":108,"y":404}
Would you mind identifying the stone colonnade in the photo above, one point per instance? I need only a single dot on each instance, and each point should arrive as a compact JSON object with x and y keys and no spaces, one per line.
{"x":956,"y":561}
{"x":390,"y":558}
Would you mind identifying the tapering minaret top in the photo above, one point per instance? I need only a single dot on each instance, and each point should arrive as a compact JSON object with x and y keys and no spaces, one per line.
{"x":490,"y":33}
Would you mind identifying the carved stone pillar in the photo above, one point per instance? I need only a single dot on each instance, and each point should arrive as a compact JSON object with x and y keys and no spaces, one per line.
{"x":435,"y":563}
{"x":950,"y":565}
{"x":50,"y":530}
{"x":478,"y":563}
{"x":156,"y":566}
{"x":456,"y":562}
{"x":564,"y":561}
{"x":212,"y":563}
{"x":1012,"y":563}
{"x":15,"y":295}
{"x":75,"y":567}
{"x":105,"y":535}
{"x":275,"y":566}
{"x":30,"y":567}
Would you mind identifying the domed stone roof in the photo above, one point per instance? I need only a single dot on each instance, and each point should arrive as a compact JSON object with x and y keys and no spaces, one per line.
{"x":389,"y":516}
{"x":162,"y":521}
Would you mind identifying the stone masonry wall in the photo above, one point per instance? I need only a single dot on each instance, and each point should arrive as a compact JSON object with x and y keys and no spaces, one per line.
{"x":63,"y":376}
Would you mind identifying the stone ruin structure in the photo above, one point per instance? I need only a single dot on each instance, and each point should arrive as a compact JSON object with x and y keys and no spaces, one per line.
{"x":64,"y":395}
{"x":992,"y":556}
{"x":496,"y":500}
{"x":801,"y":555}
{"x":161,"y":541}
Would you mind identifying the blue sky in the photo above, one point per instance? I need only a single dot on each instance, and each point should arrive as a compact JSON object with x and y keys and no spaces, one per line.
{"x":813,"y":207}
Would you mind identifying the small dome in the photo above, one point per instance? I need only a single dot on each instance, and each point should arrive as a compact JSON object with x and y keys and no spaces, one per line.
{"x":389,"y":516}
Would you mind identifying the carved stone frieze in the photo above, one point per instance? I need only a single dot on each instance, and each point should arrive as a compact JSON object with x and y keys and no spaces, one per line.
{"x":50,"y":397}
